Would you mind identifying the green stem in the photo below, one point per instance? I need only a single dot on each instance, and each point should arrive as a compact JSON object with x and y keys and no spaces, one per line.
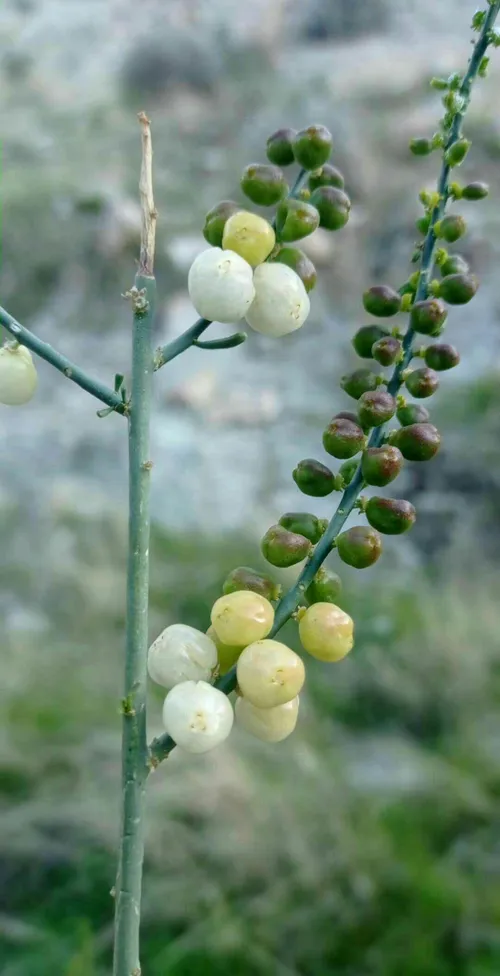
{"x":64,"y":365}
{"x":135,"y":751}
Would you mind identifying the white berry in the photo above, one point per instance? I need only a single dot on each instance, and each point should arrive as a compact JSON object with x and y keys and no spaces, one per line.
{"x":220,"y":285}
{"x":181,"y":653}
{"x":267,"y":724}
{"x":197,"y":716}
{"x":18,"y":377}
{"x":281,"y":303}
{"x":269,"y":673}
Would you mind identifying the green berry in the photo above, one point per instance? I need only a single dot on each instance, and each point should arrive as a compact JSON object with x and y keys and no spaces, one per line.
{"x":264,"y":184}
{"x":328,"y":175}
{"x":343,"y":439}
{"x":375,"y":408}
{"x":314,"y":478}
{"x":417,"y":442}
{"x":325,"y":587}
{"x":428,"y":315}
{"x":360,"y":546}
{"x":420,"y":146}
{"x":387,"y":350}
{"x":392,"y":516}
{"x":359,"y":382}
{"x":346,"y":415}
{"x":245,"y":578}
{"x":312,"y":146}
{"x":475,"y":191}
{"x":381,"y":465}
{"x":283,"y":548}
{"x":348,"y":469}
{"x":422,"y":382}
{"x":457,"y":152}
{"x":422,"y":224}
{"x":450,"y":228}
{"x":454,"y":264}
{"x":333,"y":206}
{"x":303,"y":523}
{"x":279,"y":149}
{"x":295,"y":219}
{"x":215,"y":221}
{"x":458,"y":289}
{"x":412,"y":413}
{"x":442,"y":356}
{"x":365,"y":338}
{"x":300,"y":263}
{"x":382,"y":301}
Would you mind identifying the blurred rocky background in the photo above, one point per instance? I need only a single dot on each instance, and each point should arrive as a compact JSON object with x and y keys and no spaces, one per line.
{"x":369,"y":844}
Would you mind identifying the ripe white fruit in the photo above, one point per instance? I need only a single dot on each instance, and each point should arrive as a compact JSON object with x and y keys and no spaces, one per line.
{"x":181,"y":653}
{"x":242,"y":617}
{"x":281,"y":303}
{"x":220,"y":285}
{"x":197,"y":716}
{"x":269,"y":673}
{"x":267,"y":724}
{"x":18,"y":377}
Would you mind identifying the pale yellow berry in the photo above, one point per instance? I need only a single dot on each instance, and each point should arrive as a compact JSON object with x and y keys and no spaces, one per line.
{"x":18,"y":377}
{"x":250,"y":236}
{"x":242,"y":617}
{"x":267,"y":724}
{"x":227,"y":654}
{"x":269,"y":673}
{"x":326,"y":632}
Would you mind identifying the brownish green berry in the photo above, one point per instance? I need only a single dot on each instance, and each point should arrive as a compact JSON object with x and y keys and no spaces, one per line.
{"x":328,"y":175}
{"x":358,"y":382}
{"x":442,"y":356}
{"x":283,"y":548}
{"x":475,"y":191}
{"x":417,"y":442}
{"x":382,"y":301}
{"x":295,"y":219}
{"x":245,"y":578}
{"x":215,"y":221}
{"x":428,"y":316}
{"x":457,"y":152}
{"x":422,"y":382}
{"x":451,"y":228}
{"x":303,"y":523}
{"x":387,"y":350}
{"x":360,"y":546}
{"x":300,"y":263}
{"x":458,"y":289}
{"x":314,"y":478}
{"x":279,"y":149}
{"x":263,"y":184}
{"x":454,"y":264}
{"x":412,"y":413}
{"x":348,"y":469}
{"x":365,"y":338}
{"x":381,"y":465}
{"x":333,"y":206}
{"x":423,"y":223}
{"x":375,"y":408}
{"x":420,"y":146}
{"x":312,"y":146}
{"x":325,"y":587}
{"x":343,"y":439}
{"x":392,"y":516}
{"x":346,"y":415}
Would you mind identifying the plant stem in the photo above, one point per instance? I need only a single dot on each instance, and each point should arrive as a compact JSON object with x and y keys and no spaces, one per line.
{"x":61,"y":363}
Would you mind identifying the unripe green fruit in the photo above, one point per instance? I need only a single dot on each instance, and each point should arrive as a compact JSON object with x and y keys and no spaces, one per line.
{"x":454,"y":264}
{"x":475,"y":191}
{"x":245,"y":578}
{"x":365,"y":338}
{"x":387,"y":351}
{"x":417,"y":442}
{"x":295,"y":259}
{"x":343,"y":439}
{"x":346,"y":415}
{"x":442,"y":356}
{"x":381,"y":465}
{"x":314,"y":478}
{"x":348,"y":469}
{"x":457,"y":152}
{"x":420,"y":146}
{"x":283,"y":548}
{"x":312,"y":146}
{"x":326,"y":632}
{"x":450,"y":228}
{"x":279,"y":149}
{"x":227,"y":654}
{"x":422,"y":224}
{"x":360,"y":546}
{"x":359,"y":382}
{"x":303,"y":523}
{"x":216,"y":219}
{"x":382,"y":301}
{"x":458,"y":289}
{"x":250,"y":236}
{"x":392,"y":516}
{"x":263,"y":184}
{"x":295,"y":219}
{"x":412,"y":413}
{"x":325,"y":587}
{"x":333,"y":206}
{"x":428,"y":315}
{"x":422,"y":382}
{"x":375,"y":408}
{"x":328,"y":175}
